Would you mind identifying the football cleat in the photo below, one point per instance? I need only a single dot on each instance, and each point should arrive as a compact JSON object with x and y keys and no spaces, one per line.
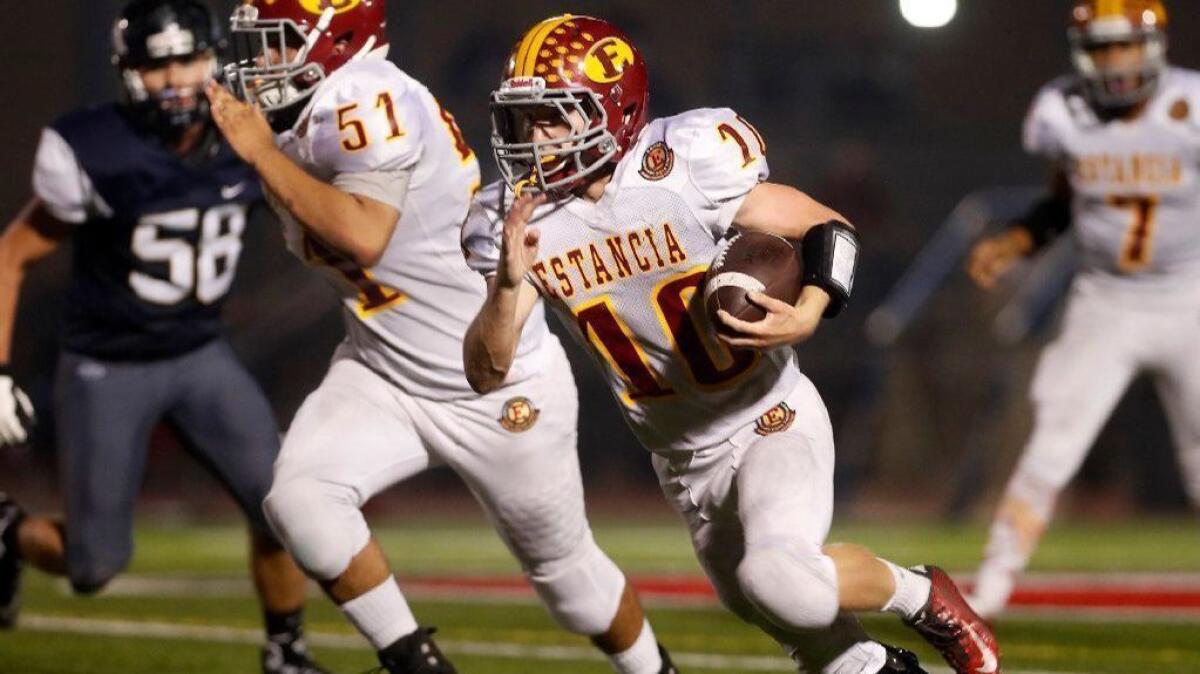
{"x":900,"y":661}
{"x":668,"y":667}
{"x":415,"y":654}
{"x":10,"y":561}
{"x":289,"y":657}
{"x":949,"y":624}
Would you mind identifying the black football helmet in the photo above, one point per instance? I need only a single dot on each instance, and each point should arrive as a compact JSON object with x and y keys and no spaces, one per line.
{"x":150,"y":32}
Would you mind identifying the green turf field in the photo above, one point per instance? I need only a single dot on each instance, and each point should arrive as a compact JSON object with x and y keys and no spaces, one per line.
{"x":193,"y":628}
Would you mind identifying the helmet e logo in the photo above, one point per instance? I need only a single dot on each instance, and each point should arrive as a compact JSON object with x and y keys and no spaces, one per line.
{"x":319,"y":6}
{"x":607,"y":59}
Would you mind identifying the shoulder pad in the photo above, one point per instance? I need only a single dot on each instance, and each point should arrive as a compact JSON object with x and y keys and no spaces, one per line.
{"x":481,"y":231}
{"x":723,"y":154}
{"x":60,"y":182}
{"x":367,"y":117}
{"x":1182,"y":98}
{"x":1057,"y":107}
{"x":88,"y":120}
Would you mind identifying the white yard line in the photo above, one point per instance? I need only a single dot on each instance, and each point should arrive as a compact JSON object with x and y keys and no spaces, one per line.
{"x":181,"y":586}
{"x":164,"y":630}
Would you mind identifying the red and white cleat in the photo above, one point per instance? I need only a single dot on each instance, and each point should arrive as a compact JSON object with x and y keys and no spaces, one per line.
{"x":950,"y":625}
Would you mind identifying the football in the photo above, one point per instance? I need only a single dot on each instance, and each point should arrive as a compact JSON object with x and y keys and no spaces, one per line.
{"x":751,"y":261}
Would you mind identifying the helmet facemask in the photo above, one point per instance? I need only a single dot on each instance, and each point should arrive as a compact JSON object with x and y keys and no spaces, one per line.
{"x":170,"y":111}
{"x":1116,"y":88}
{"x":270,"y":67}
{"x":152,"y":37}
{"x":553,"y":165}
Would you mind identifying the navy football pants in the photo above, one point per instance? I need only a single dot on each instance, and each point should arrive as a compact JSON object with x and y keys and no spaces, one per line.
{"x":105,"y":412}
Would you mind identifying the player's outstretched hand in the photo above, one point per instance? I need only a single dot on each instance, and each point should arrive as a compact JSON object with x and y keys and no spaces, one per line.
{"x":243,"y":125}
{"x":783,"y":325}
{"x":519,"y":245}
{"x":992,"y":257}
{"x":16,"y":412}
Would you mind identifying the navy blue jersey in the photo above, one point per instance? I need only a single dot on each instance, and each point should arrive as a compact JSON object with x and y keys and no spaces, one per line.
{"x":159,"y":236}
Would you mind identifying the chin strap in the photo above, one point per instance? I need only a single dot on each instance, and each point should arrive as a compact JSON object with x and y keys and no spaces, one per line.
{"x":519,"y":187}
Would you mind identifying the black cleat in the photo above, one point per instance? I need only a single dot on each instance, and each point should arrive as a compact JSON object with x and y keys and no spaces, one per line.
{"x":415,"y":654}
{"x":900,"y":661}
{"x":668,"y":667}
{"x":949,"y":624}
{"x":289,"y":657}
{"x":10,"y":561}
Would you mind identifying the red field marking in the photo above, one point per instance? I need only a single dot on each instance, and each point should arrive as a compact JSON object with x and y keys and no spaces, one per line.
{"x":670,"y":586}
{"x":1107,"y":591}
{"x":1107,"y":597}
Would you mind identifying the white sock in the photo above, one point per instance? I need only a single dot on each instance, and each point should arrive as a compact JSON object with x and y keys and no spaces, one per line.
{"x":381,"y":614}
{"x":912,"y":592}
{"x":640,"y":658}
{"x":1012,"y":538}
{"x":865,"y":657}
{"x":994,"y":585}
{"x":1005,"y":556}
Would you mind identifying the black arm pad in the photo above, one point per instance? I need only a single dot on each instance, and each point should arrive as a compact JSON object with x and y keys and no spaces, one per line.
{"x":1048,"y":218}
{"x":830,"y":254}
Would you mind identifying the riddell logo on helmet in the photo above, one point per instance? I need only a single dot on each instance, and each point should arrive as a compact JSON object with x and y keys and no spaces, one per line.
{"x":607,"y":60}
{"x":523,"y":84}
{"x":319,"y":6}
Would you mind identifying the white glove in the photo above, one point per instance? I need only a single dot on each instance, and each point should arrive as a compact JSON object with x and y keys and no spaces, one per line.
{"x":16,"y":412}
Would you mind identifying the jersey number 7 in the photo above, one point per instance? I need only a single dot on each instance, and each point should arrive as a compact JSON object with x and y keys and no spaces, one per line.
{"x":1137,"y":247}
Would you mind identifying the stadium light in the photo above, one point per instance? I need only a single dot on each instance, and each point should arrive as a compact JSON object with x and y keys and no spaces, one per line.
{"x":929,"y":13}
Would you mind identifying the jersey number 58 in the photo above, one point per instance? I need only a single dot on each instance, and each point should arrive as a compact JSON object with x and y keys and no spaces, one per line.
{"x":205,"y":269}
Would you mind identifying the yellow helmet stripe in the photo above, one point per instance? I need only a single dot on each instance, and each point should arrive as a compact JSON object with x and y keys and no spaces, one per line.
{"x":1110,"y":7}
{"x":528,"y":51}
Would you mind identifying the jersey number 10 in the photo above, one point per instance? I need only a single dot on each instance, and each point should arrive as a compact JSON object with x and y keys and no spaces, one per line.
{"x":205,"y":269}
{"x":672,"y":302}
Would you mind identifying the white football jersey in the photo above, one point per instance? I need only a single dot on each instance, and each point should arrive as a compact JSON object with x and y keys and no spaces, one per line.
{"x":406,"y":316}
{"x":623,"y":274}
{"x":1136,"y":184}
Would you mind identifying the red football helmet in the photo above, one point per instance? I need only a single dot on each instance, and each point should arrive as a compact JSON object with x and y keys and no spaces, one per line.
{"x":1097,"y":23}
{"x":584,"y":70}
{"x":283,"y":49}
